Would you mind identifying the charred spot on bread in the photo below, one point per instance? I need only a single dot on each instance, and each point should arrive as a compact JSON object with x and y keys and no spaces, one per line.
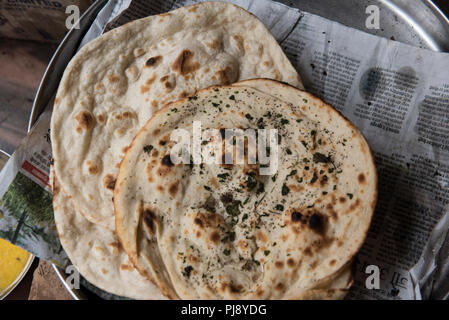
{"x":166,"y":161}
{"x":153,"y":61}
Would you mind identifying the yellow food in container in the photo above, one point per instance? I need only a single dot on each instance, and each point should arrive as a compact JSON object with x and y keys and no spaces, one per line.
{"x":14,"y":261}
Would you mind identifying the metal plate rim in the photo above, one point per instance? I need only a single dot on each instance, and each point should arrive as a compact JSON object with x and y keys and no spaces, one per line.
{"x":75,"y":293}
{"x":95,"y":8}
{"x":37,"y":109}
{"x":437,"y":10}
{"x":19,"y":278}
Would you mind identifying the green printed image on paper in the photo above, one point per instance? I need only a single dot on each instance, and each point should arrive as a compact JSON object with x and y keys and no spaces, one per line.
{"x":26,"y":219}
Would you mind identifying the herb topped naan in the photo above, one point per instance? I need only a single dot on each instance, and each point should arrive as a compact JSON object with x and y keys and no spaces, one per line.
{"x":226,"y":231}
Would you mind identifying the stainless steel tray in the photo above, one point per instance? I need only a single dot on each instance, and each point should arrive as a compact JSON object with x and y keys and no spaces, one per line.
{"x":416,"y":22}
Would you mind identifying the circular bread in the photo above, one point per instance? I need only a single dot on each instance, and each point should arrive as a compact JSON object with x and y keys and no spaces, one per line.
{"x":96,"y":252}
{"x":114,"y":84}
{"x":210,"y":231}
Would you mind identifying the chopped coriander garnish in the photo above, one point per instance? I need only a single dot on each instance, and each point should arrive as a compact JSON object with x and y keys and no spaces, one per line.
{"x":226,"y":252}
{"x":261,"y":188}
{"x":266,"y":252}
{"x":251,"y":182}
{"x":147,"y":148}
{"x":233,"y":208}
{"x":279,"y":207}
{"x":226,"y":198}
{"x":285,"y":190}
{"x":223,"y":176}
{"x":292,"y":173}
{"x":321,"y":158}
{"x":187,"y":271}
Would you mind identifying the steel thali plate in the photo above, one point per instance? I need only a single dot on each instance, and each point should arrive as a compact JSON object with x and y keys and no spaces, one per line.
{"x":416,"y":22}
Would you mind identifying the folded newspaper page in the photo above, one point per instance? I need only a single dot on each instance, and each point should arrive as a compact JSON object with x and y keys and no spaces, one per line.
{"x":396,"y":94}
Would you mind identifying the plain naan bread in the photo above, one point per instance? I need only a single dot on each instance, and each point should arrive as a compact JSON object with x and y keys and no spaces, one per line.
{"x":115,"y":83}
{"x":214,"y":231}
{"x":96,"y":252}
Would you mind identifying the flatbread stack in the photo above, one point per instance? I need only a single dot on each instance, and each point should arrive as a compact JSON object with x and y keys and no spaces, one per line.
{"x":220,"y":231}
{"x":96,"y":252}
{"x":115,"y":83}
{"x":136,"y":224}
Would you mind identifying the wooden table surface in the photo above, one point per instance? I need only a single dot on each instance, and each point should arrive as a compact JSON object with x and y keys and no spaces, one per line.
{"x":22,"y":64}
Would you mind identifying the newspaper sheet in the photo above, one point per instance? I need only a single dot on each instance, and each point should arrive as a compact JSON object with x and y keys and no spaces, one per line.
{"x":396,"y":94}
